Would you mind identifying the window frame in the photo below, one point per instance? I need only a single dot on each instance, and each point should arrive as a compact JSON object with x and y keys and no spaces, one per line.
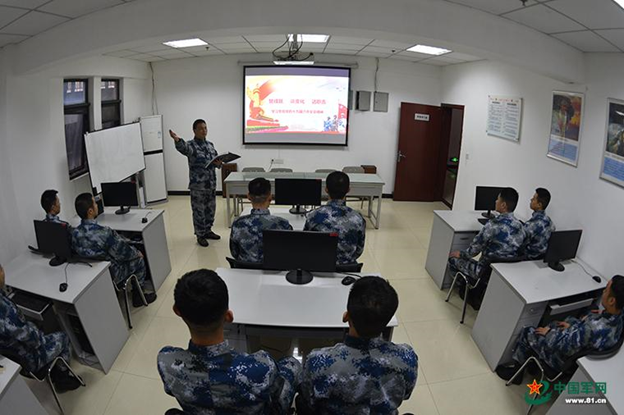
{"x":83,"y":109}
{"x":115,"y":103}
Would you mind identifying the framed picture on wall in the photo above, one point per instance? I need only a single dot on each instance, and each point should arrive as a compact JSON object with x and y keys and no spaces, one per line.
{"x":565,"y":126}
{"x":613,"y":155}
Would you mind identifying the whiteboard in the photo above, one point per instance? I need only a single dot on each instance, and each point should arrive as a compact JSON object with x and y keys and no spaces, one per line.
{"x":151,"y":130}
{"x":114,"y":154}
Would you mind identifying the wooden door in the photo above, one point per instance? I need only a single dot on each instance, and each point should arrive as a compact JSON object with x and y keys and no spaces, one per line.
{"x":418,"y":153}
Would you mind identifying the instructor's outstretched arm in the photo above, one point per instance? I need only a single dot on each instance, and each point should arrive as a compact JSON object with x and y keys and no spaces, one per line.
{"x":180,"y":144}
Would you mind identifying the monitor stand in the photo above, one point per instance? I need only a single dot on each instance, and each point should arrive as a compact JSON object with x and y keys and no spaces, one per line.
{"x":299,"y":277}
{"x":56,"y":261}
{"x":488,"y":214}
{"x":296,"y":210}
{"x":557,"y":266}
{"x":122,"y":210}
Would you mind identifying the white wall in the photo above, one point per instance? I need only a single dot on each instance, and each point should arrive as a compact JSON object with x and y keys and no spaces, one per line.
{"x":212,"y":88}
{"x":580,"y":198}
{"x":33,"y":138}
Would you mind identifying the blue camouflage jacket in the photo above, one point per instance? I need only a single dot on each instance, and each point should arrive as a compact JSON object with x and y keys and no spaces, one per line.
{"x":350,"y":226}
{"x":538,"y":230}
{"x":92,"y":240}
{"x":219,"y":380}
{"x":359,"y":376}
{"x":199,"y":153}
{"x":23,"y":339}
{"x":246,"y":235}
{"x":501,"y":237}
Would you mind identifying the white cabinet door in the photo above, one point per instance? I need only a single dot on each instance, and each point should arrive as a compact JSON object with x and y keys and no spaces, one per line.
{"x":154,"y":174}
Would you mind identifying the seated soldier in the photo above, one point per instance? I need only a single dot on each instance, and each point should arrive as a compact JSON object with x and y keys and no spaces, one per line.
{"x":246,"y":235}
{"x":52,"y":206}
{"x":365,"y":374}
{"x":337,"y":217}
{"x":539,"y":228}
{"x":210,"y":376}
{"x":31,"y":346}
{"x":553,"y":344}
{"x":91,"y":240}
{"x":500,"y":237}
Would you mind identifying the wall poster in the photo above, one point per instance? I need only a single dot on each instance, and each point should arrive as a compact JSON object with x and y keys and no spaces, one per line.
{"x":565,"y":127}
{"x":613,"y":155}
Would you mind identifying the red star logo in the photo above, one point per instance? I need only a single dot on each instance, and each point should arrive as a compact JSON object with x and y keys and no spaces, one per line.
{"x":534,"y":387}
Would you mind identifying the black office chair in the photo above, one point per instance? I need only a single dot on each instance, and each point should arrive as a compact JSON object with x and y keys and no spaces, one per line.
{"x":353,"y":267}
{"x":476,"y":287}
{"x":175,"y":411}
{"x":234,"y":263}
{"x":44,"y":374}
{"x":569,"y":366}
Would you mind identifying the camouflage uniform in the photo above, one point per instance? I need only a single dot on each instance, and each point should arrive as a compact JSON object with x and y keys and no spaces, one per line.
{"x":25,"y":340}
{"x":202,"y":182}
{"x":501,"y":237}
{"x":53,"y":218}
{"x":337,"y":217}
{"x":359,"y":376}
{"x":246,"y":235}
{"x":219,"y":380}
{"x":538,"y":230}
{"x":597,"y":331}
{"x":91,"y":240}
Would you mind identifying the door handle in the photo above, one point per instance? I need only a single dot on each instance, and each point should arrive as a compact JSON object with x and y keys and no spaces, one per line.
{"x":401,"y":155}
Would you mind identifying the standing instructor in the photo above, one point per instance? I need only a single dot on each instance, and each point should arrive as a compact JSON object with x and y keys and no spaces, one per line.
{"x":202,"y":179}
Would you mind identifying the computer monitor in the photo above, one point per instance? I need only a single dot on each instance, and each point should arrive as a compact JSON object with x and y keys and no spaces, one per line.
{"x":122,"y":194}
{"x":298,"y":192}
{"x":300,"y":252}
{"x":485,"y":199}
{"x":53,"y":238}
{"x":562,"y":245}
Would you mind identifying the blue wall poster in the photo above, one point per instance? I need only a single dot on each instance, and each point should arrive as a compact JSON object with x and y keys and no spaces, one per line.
{"x":565,"y":127}
{"x":613,"y":156}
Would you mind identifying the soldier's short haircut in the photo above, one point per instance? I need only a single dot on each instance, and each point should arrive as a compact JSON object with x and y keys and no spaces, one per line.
{"x":510,"y":197}
{"x":259,"y":190}
{"x":197,"y":122}
{"x":372,"y":303}
{"x":543,"y":196}
{"x":337,"y":184}
{"x":48,"y":198}
{"x":202,"y":298}
{"x":617,"y":291}
{"x":83,"y":203}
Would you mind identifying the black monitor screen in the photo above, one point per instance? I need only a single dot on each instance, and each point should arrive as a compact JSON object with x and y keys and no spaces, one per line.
{"x":119,"y":194}
{"x":53,"y":238}
{"x":308,"y":251}
{"x":485,"y":197}
{"x":562,"y":245}
{"x":304,"y":192}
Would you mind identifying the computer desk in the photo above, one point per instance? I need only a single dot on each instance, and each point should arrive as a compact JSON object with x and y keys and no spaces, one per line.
{"x":296,"y":221}
{"x":362,"y":185}
{"x":609,"y":371}
{"x":265,"y":304}
{"x":16,"y":398}
{"x":151,"y":235}
{"x":518,"y":295}
{"x":452,"y":231}
{"x":90,"y":296}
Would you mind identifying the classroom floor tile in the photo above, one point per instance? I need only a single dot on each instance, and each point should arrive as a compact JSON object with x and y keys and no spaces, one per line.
{"x":453,"y":376}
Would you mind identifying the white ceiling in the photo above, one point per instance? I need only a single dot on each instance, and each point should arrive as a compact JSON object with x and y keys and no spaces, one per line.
{"x":268,"y":43}
{"x":587,"y":25}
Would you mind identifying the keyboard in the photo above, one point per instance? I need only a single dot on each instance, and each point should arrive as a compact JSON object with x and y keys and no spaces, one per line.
{"x":483,"y":221}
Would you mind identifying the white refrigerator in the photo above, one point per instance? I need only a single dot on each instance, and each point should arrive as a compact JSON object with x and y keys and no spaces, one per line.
{"x":154,"y":182}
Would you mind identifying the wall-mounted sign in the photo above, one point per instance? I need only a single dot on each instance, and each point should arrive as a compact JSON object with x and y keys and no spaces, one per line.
{"x":421,"y":117}
{"x":504,"y":116}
